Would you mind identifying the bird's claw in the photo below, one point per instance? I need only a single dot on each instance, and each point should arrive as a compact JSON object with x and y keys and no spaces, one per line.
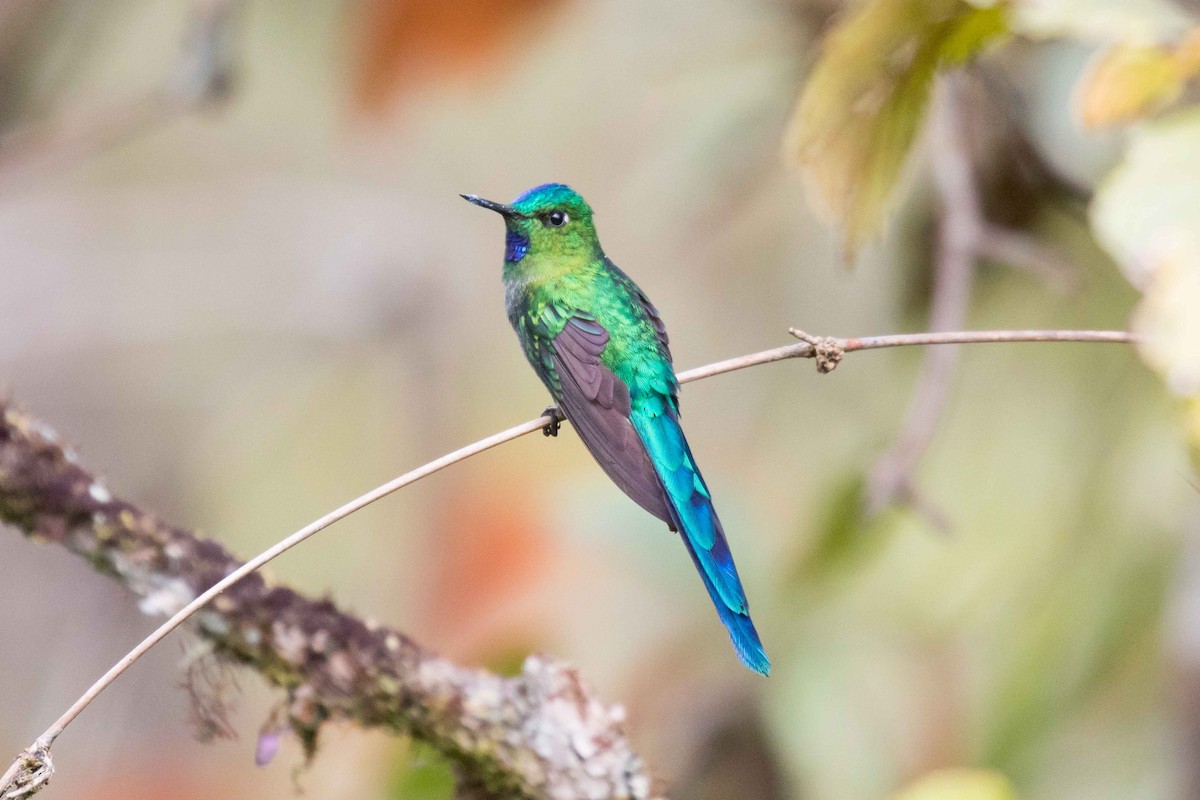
{"x":551,"y":429}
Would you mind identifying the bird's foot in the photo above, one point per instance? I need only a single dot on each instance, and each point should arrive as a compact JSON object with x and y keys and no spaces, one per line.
{"x":552,"y":428}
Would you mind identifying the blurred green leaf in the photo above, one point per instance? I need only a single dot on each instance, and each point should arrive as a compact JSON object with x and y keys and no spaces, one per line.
{"x":845,"y":536}
{"x":861,"y":109}
{"x":1192,"y":425}
{"x":1074,"y":640}
{"x":959,"y":784}
{"x":1147,"y":215}
{"x":1104,"y":21}
{"x":422,"y":774}
{"x":509,"y":658}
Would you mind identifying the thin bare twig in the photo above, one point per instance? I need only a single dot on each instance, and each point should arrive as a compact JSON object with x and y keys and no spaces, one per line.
{"x":34,"y":764}
{"x":851,"y":345}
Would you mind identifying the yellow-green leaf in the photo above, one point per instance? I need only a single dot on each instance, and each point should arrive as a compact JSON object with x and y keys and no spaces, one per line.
{"x":863,"y":105}
{"x":1128,"y":82}
{"x":1192,"y":428}
{"x":959,"y":784}
{"x":1147,"y":215}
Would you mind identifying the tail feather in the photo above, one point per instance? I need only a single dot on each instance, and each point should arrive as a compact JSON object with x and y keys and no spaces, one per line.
{"x":693,"y":514}
{"x":742,"y":632}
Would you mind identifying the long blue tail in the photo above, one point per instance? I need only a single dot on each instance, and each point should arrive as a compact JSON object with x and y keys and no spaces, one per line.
{"x":741,"y":629}
{"x":694,"y":516}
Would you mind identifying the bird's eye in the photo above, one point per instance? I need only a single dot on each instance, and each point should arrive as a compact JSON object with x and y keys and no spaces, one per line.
{"x":556,"y":219}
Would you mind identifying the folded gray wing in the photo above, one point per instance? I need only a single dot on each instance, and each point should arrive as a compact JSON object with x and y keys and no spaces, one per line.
{"x":596,"y":402}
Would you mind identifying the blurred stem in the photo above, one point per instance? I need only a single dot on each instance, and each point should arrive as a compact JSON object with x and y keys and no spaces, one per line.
{"x":1020,"y":250}
{"x":203,"y":76}
{"x":45,"y":492}
{"x":959,"y":232}
{"x":964,"y":237}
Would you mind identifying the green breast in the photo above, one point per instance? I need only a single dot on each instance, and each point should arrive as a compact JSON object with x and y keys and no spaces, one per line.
{"x":539,"y":309}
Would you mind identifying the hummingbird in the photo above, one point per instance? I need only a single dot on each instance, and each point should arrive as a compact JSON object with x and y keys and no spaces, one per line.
{"x":601,"y":348}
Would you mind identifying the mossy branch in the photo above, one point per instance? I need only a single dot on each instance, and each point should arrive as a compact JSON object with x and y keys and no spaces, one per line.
{"x":543,"y":733}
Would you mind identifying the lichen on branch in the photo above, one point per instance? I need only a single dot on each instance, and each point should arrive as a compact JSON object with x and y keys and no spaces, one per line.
{"x":542,"y":733}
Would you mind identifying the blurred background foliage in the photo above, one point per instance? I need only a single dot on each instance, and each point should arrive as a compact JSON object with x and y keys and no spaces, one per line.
{"x":237,"y":275}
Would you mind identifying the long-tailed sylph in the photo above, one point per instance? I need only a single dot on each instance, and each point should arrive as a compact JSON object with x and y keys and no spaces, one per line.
{"x":600,"y":347}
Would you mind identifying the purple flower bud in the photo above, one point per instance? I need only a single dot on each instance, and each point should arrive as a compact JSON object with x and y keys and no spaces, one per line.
{"x":268,"y":746}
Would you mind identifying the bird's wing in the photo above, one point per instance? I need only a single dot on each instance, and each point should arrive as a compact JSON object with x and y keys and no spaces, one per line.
{"x":644,"y":451}
{"x":635,"y":291}
{"x":597,"y":403}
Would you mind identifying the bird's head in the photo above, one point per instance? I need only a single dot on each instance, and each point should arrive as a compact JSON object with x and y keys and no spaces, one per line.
{"x":548,"y":220}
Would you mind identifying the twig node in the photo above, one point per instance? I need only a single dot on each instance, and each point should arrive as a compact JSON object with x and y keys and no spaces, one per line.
{"x":37,"y":767}
{"x":827,"y":350}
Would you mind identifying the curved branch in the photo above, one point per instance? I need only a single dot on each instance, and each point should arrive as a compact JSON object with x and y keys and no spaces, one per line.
{"x":534,"y":735}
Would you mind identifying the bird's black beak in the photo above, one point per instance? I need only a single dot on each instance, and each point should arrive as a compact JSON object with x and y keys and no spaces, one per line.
{"x":508,"y":212}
